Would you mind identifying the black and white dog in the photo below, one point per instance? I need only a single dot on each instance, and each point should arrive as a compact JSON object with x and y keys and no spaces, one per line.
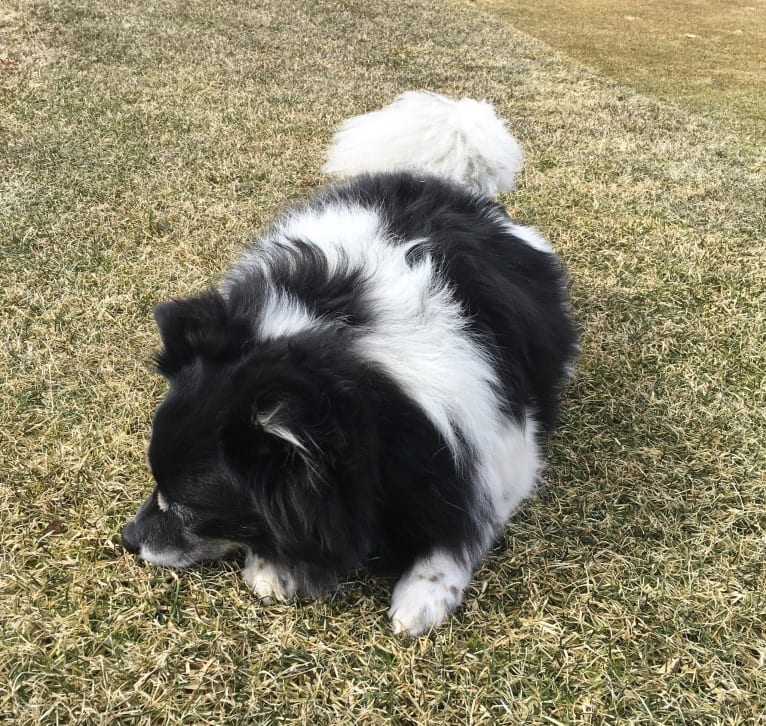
{"x":373,"y":379}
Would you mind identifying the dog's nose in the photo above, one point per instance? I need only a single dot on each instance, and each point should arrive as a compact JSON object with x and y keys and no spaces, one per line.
{"x":128,"y":538}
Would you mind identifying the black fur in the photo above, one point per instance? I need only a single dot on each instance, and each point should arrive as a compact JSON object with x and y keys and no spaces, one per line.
{"x":372,"y":479}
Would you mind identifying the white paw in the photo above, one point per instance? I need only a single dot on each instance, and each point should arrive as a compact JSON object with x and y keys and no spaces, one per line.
{"x":427,"y":594}
{"x":269,"y":582}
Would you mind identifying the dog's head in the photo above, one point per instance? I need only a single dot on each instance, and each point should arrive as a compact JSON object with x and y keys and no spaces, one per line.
{"x":249,"y":448}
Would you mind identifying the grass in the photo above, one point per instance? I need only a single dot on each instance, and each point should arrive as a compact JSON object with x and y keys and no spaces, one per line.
{"x":141,"y":143}
{"x":707,"y":55}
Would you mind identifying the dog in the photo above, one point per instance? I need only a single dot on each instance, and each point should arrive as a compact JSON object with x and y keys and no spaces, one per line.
{"x":372,"y":382}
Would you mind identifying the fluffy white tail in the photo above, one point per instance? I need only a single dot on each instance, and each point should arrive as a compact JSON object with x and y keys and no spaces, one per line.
{"x":424,"y":132}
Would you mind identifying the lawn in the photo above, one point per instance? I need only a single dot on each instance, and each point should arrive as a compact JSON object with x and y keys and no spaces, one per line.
{"x":140,"y":144}
{"x":707,"y":55}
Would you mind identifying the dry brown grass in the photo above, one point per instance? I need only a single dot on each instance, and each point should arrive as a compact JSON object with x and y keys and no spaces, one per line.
{"x":709,"y":55}
{"x":140,"y":144}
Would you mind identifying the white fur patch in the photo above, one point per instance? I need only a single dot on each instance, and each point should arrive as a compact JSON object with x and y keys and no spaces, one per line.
{"x":428,"y":133}
{"x":269,"y":422}
{"x":419,"y":339}
{"x":529,"y":235}
{"x":267,"y":580}
{"x":162,"y":503}
{"x":427,"y":593}
{"x":511,"y":470}
{"x":283,"y":315}
{"x":167,"y":558}
{"x":343,"y":232}
{"x":418,"y":331}
{"x":201,"y":551}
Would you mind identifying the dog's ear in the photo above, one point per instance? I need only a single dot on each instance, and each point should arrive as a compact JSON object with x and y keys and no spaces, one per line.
{"x":277,"y":424}
{"x":297,"y":458}
{"x":198,"y":326}
{"x":268,"y":438}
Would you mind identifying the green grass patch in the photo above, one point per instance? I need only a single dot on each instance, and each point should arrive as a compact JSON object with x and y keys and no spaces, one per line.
{"x":140,"y":144}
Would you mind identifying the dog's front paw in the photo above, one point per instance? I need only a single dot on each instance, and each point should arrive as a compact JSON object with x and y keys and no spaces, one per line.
{"x":269,"y":581}
{"x":427,"y":594}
